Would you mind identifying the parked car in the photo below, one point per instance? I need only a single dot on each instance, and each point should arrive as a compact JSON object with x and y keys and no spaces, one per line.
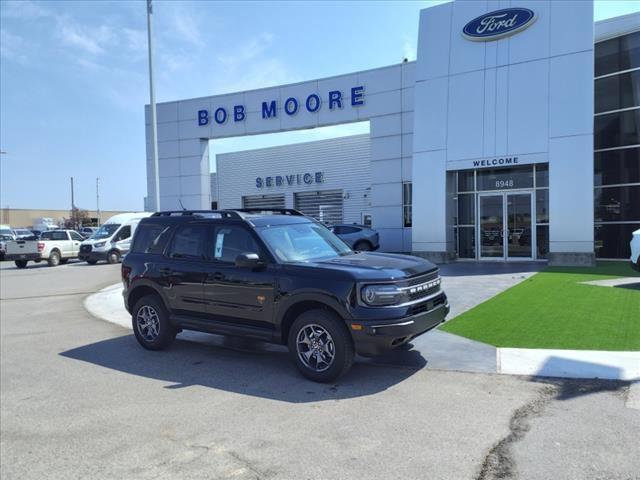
{"x":54,"y":246}
{"x":635,"y":250}
{"x":87,"y":232}
{"x":22,"y":251}
{"x":6,"y":235}
{"x":22,"y":233}
{"x":112,"y":240}
{"x":279,"y":277}
{"x":358,"y":237}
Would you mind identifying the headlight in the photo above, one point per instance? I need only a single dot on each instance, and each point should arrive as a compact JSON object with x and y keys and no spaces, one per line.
{"x":99,"y":244}
{"x":378,"y":295}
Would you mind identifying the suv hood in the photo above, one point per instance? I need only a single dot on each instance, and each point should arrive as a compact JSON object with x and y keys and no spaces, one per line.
{"x":377,"y":266}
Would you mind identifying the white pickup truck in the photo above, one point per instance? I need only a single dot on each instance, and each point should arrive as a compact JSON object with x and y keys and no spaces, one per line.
{"x":54,"y":246}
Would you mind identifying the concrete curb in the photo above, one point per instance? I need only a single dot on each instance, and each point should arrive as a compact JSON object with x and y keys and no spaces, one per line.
{"x":569,"y":363}
{"x":107,"y":304}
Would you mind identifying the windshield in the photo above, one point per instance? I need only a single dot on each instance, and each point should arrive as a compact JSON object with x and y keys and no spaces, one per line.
{"x":105,"y":231}
{"x":303,"y":242}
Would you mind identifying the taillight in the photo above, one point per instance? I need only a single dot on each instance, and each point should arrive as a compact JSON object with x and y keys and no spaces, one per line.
{"x":40,"y":246}
{"x":126,"y":271}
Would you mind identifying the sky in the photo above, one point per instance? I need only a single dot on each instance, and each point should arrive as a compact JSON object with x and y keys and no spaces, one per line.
{"x":74,"y":79}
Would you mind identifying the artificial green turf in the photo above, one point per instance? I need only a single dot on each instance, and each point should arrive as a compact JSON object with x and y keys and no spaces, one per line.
{"x":552,"y":309}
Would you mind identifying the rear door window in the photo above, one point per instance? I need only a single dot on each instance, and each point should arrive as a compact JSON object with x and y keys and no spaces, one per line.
{"x":189,"y":242}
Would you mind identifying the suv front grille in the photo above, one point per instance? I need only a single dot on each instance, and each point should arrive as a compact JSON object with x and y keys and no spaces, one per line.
{"x":421,"y":286}
{"x":426,"y":306}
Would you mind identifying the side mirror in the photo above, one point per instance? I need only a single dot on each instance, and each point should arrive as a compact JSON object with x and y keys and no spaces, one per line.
{"x":248,"y":260}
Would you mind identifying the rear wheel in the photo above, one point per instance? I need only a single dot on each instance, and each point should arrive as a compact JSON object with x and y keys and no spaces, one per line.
{"x":320,"y":345}
{"x":54,"y":259}
{"x":151,"y":325}
{"x":362,"y":246}
{"x":21,"y":263}
{"x":113,"y":256}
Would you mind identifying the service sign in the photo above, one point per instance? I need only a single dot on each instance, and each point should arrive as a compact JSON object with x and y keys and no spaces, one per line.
{"x":498,"y":24}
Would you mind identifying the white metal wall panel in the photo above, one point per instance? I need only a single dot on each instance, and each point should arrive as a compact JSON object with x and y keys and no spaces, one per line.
{"x":345,"y":164}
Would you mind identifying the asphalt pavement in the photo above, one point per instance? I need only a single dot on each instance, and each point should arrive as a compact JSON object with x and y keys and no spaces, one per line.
{"x":80,"y":399}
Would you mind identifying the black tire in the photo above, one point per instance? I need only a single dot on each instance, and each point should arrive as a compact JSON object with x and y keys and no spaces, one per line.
{"x":54,"y":259}
{"x":92,"y":262}
{"x":343,"y":351}
{"x":113,"y":257}
{"x":64,"y":261}
{"x":362,"y":246}
{"x":165,"y":333}
{"x":21,"y":263}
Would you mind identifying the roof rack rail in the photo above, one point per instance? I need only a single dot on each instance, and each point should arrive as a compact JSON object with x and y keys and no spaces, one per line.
{"x":281,"y":211}
{"x":178,"y":213}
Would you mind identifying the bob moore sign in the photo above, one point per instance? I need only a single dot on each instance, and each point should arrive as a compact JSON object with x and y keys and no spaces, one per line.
{"x":292,"y":105}
{"x":498,"y":24}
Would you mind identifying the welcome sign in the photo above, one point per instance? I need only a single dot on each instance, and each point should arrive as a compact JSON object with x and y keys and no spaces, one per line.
{"x":498,"y":24}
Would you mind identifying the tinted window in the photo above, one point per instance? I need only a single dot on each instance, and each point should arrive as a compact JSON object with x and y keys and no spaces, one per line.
{"x":542,"y":206}
{"x":465,"y":181}
{"x":617,"y":166}
{"x":466,"y":209}
{"x":621,"y":53}
{"x":505,"y":178}
{"x":150,"y":238}
{"x":466,"y":242}
{"x":617,"y":92}
{"x":347,"y":230}
{"x":617,"y":203}
{"x":542,"y":175}
{"x":76,"y":236}
{"x":55,"y":235}
{"x":617,"y":129}
{"x":612,"y":241}
{"x":231,"y":241}
{"x":123,"y":234}
{"x":189,"y":242}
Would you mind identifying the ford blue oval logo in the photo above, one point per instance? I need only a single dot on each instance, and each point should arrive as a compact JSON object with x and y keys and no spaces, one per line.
{"x":498,"y":24}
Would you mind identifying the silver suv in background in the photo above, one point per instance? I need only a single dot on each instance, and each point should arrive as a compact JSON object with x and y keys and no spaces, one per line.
{"x":358,"y":237}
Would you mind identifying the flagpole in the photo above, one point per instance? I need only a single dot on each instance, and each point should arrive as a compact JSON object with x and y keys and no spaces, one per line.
{"x":154,"y":125}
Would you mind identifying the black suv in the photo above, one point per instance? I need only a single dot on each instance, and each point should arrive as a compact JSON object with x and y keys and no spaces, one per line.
{"x":276,"y":276}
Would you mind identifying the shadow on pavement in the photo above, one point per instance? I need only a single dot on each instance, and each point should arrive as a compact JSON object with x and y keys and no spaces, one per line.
{"x":237,"y":365}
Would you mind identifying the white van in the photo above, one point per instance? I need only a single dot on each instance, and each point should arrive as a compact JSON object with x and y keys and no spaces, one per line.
{"x":112,"y":240}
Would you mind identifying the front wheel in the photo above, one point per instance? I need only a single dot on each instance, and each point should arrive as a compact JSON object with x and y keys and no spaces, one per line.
{"x":320,"y":345}
{"x":151,"y":325}
{"x":21,"y":263}
{"x":113,"y":257}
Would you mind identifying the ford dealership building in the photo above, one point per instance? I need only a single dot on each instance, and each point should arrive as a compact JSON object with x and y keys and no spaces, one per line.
{"x":515,"y":135}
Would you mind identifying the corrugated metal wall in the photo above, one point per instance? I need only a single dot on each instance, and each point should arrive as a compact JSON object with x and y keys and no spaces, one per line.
{"x":344,"y":162}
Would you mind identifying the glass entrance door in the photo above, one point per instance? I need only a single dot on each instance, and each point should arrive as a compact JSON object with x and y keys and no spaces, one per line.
{"x":518,"y":226}
{"x":505,"y":230}
{"x":491,"y":226}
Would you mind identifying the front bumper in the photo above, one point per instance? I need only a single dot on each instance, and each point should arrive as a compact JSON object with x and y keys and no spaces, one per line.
{"x":92,"y":256}
{"x":379,"y":336}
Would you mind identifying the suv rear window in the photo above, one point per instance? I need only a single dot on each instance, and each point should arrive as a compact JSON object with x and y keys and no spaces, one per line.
{"x":150,"y":238}
{"x":189,"y":242}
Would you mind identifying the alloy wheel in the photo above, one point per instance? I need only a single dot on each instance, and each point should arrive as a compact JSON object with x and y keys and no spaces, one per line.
{"x":315,"y":347}
{"x":148,"y":323}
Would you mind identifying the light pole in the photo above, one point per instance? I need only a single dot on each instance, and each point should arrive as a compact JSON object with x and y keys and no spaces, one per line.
{"x":98,"y":198}
{"x":154,"y":126}
{"x":2,"y":152}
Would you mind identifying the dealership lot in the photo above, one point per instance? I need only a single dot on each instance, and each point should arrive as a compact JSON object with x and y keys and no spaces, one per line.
{"x":81,"y":399}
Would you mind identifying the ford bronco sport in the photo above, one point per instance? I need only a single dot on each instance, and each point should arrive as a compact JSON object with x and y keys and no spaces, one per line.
{"x":276,"y":276}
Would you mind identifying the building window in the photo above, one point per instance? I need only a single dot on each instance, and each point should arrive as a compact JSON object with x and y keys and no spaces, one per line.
{"x":407,"y":201}
{"x":616,"y":139}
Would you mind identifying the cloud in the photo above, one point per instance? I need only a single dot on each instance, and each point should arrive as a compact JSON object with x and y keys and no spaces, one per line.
{"x":247,"y":51}
{"x":23,"y":9}
{"x":12,"y":47}
{"x":187,"y":27}
{"x":89,"y":40}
